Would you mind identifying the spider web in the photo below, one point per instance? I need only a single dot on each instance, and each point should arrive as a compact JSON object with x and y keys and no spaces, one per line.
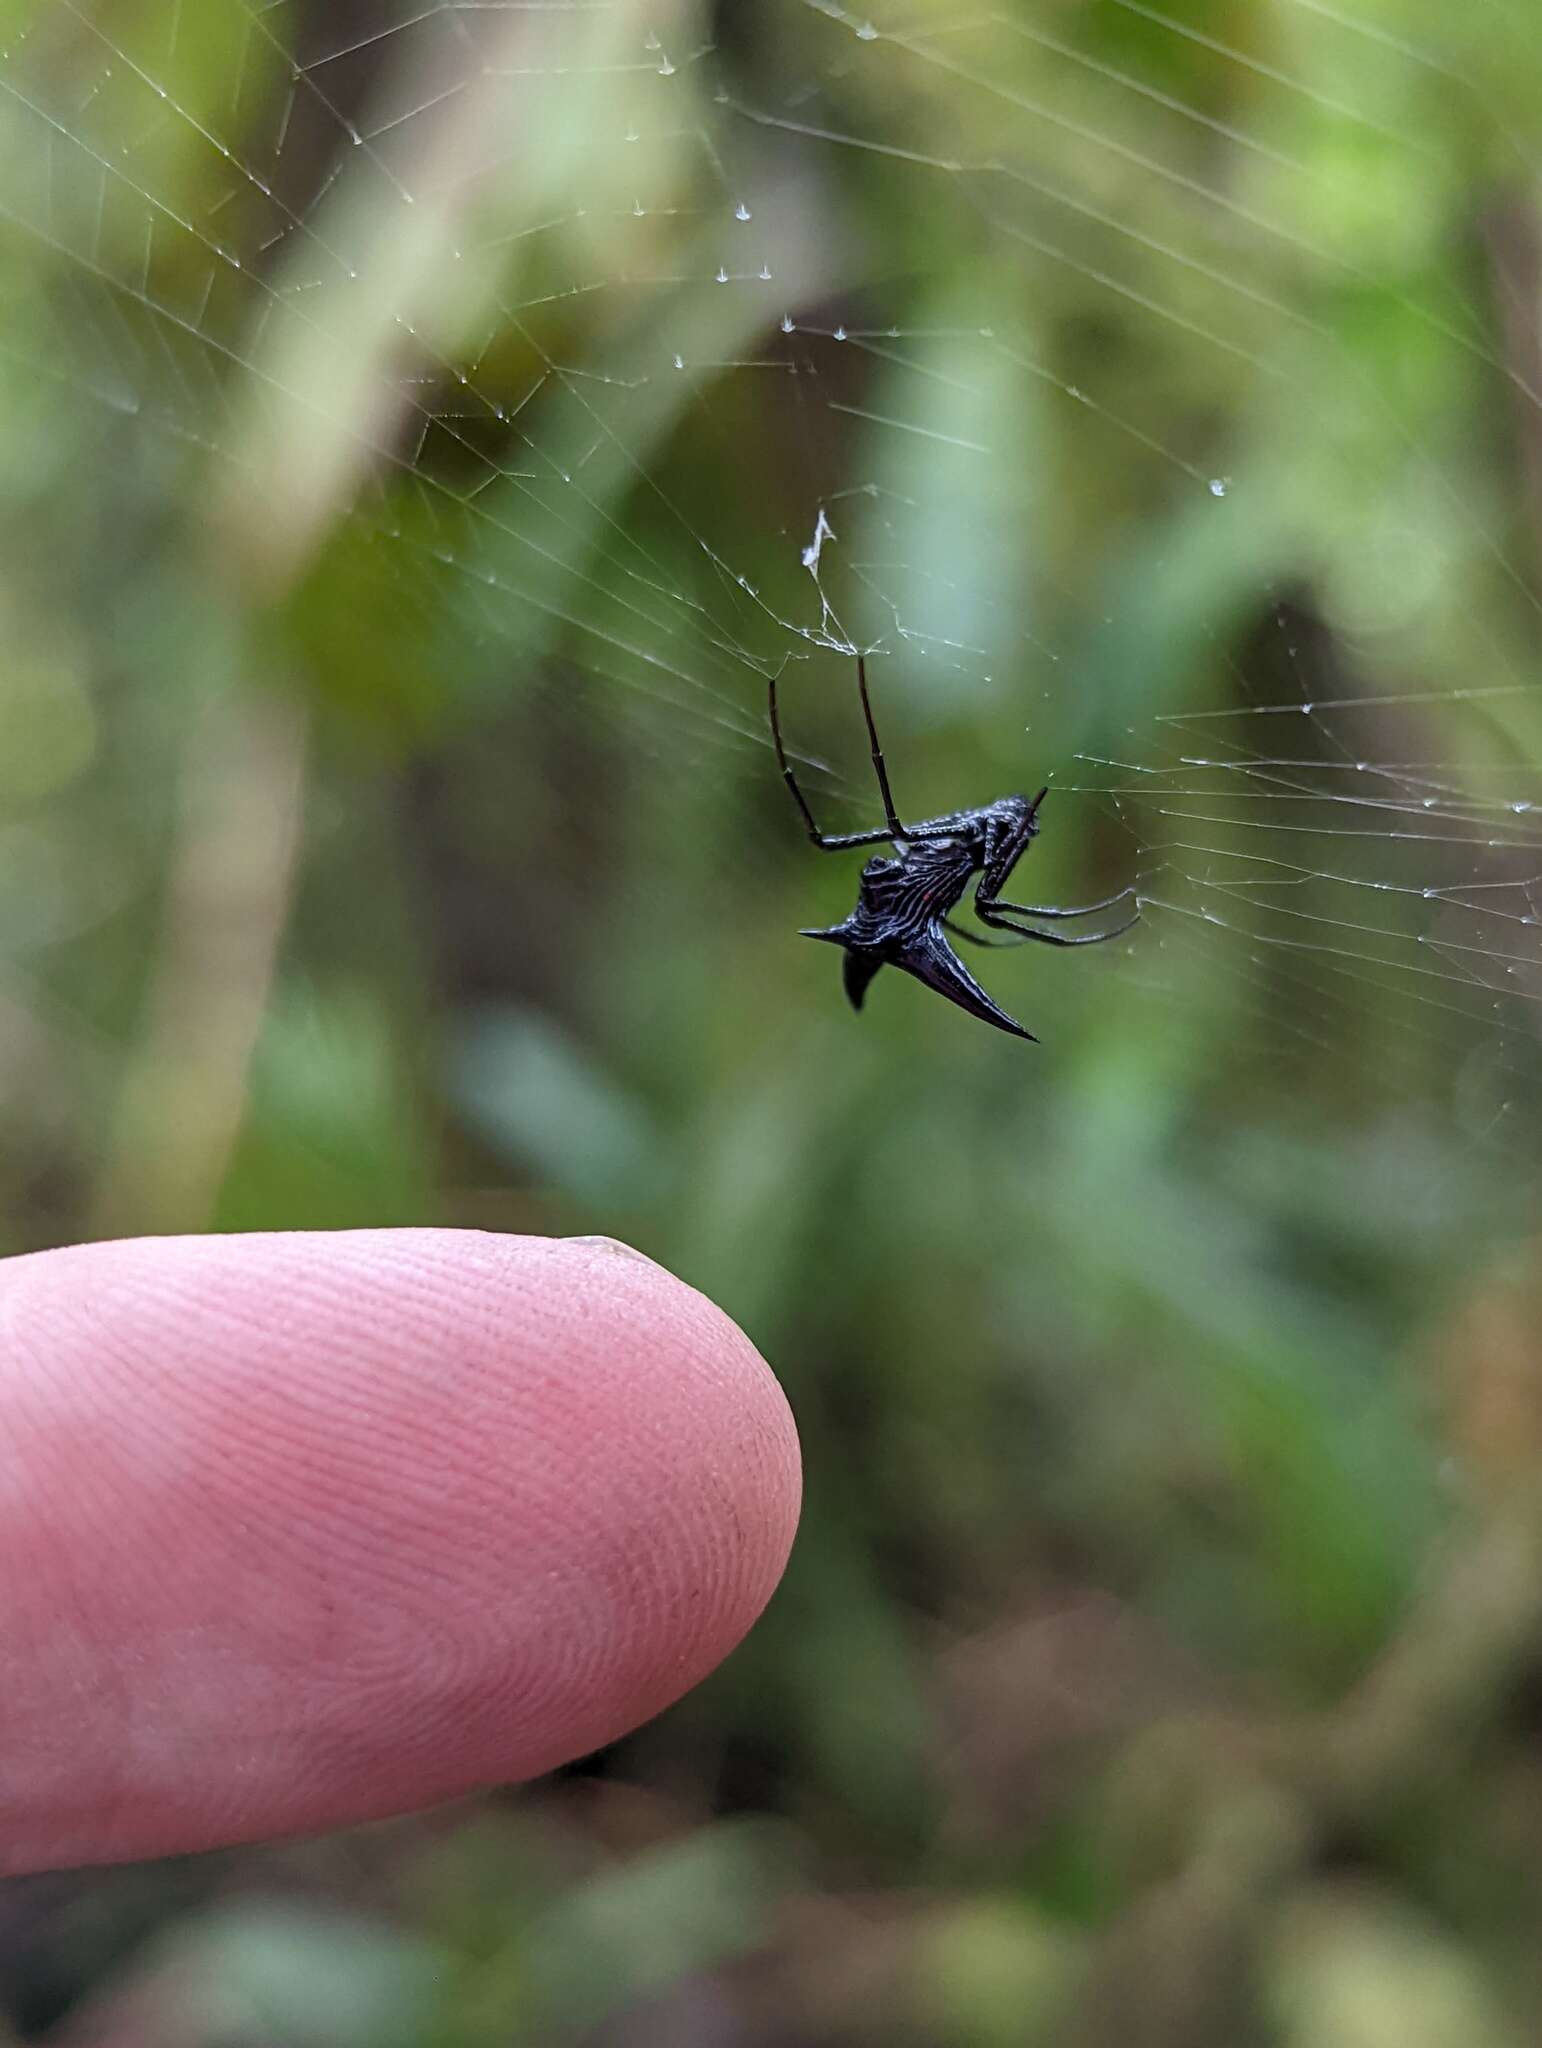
{"x":983,"y":316}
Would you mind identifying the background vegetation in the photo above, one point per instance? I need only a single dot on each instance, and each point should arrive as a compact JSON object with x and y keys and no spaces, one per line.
{"x":387,"y":835}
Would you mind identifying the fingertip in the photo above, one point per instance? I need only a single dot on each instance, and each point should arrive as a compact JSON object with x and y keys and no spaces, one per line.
{"x":384,"y":1516}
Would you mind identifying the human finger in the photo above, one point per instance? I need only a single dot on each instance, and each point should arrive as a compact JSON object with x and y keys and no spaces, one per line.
{"x":305,"y":1529}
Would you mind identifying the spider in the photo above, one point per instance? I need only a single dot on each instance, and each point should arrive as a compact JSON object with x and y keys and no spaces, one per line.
{"x":903,"y":903}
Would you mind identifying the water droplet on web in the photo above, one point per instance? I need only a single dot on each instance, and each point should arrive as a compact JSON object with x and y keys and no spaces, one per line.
{"x":631,"y":135}
{"x":787,"y":326}
{"x":722,"y":275}
{"x":1219,"y":486}
{"x":839,"y":334}
{"x":679,"y":362}
{"x":764,"y":273}
{"x":1520,"y":809}
{"x":637,"y":209}
{"x":866,"y":33}
{"x":741,"y":211}
{"x":666,"y":69}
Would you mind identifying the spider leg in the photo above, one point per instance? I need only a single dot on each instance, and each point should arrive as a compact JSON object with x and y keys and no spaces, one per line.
{"x":975,"y":938}
{"x":1005,"y":854}
{"x":998,"y":872}
{"x":827,"y":842}
{"x":896,"y":829}
{"x":1027,"y":931}
{"x":833,"y":842}
{"x":787,"y":775}
{"x":1045,"y":910}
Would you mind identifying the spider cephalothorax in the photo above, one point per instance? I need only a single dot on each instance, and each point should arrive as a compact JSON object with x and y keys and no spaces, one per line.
{"x":903,"y":902}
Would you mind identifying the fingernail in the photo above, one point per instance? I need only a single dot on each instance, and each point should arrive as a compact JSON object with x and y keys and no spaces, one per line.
{"x":614,"y":1246}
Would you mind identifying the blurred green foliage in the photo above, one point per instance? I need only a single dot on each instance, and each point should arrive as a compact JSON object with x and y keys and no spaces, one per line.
{"x":387,"y":834}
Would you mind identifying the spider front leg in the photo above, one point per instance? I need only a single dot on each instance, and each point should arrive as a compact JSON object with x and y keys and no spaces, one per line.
{"x":896,"y":829}
{"x":962,"y":931}
{"x":1002,"y":858}
{"x":1004,"y":847}
{"x":1056,"y":910}
{"x":988,"y":913}
{"x":827,"y":842}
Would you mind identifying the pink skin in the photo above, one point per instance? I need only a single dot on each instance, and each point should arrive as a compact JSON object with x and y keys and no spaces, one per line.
{"x":303,"y":1530}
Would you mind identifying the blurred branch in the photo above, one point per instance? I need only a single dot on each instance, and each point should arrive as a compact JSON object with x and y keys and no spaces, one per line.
{"x":1174,"y":1967}
{"x":1255,"y":1813}
{"x":1510,"y":235}
{"x":1449,"y":1677}
{"x":335,"y":392}
{"x":228,"y":896}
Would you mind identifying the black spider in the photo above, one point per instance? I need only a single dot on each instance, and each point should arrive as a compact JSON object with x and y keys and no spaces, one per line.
{"x":903,"y":904}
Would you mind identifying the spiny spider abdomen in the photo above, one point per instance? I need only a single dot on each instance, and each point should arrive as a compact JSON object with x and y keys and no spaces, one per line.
{"x":903,"y":902}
